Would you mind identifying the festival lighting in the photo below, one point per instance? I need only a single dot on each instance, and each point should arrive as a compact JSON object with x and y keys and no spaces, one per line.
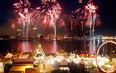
{"x":105,"y":61}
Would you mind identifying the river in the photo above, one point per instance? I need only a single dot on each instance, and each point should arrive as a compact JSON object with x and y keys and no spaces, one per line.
{"x":50,"y":46}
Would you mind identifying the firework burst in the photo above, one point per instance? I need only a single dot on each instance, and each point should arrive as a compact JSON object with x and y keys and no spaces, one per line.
{"x":89,"y":16}
{"x":49,"y":12}
{"x":25,"y":13}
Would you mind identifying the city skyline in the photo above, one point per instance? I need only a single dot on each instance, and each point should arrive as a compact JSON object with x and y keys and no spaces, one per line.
{"x":105,"y":10}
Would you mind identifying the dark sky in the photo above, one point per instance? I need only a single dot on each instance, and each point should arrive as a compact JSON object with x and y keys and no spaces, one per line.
{"x":106,"y":10}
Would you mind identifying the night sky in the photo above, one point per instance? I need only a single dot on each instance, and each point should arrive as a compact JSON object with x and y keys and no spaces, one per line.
{"x":106,"y":10}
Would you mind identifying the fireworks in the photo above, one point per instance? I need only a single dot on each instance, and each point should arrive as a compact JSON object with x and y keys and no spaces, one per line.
{"x":88,"y":13}
{"x":91,"y":8}
{"x":89,"y":16}
{"x":49,"y":12}
{"x":24,"y":11}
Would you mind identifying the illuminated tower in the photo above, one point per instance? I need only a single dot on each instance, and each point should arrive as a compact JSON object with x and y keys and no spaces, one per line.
{"x":39,"y":54}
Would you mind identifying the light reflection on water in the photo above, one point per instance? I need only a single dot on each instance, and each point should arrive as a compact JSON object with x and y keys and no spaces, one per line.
{"x":24,"y":46}
{"x":79,"y":46}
